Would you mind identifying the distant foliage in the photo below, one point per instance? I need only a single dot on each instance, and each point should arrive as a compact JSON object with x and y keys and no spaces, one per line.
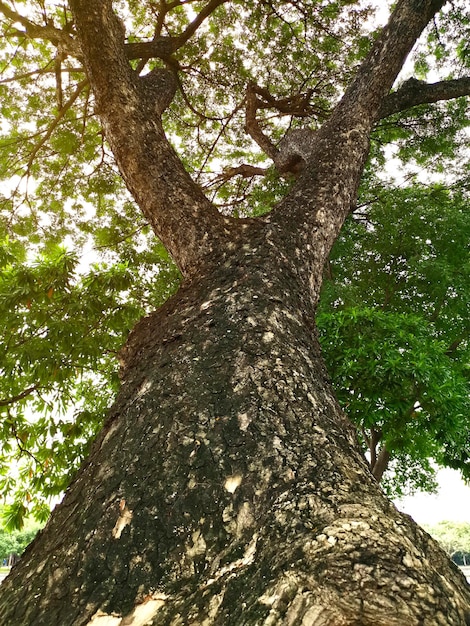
{"x":454,"y":537}
{"x":12,"y":541}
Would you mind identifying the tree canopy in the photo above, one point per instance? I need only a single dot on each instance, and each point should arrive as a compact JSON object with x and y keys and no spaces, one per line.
{"x":394,"y":327}
{"x":79,"y":266}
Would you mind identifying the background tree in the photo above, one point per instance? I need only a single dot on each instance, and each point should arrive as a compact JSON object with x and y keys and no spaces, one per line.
{"x":394,"y":330}
{"x":13,"y":542}
{"x":454,"y":537}
{"x":226,"y":485}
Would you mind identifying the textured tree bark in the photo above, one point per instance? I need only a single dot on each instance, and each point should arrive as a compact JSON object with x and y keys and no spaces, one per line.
{"x":227,"y":486}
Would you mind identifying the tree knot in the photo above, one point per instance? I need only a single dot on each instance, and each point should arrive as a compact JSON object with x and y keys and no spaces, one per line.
{"x":159,"y":87}
{"x":295,"y":149}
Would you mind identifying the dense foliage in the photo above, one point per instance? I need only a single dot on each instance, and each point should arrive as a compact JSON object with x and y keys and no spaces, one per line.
{"x":395,"y":329}
{"x":78,"y":266}
{"x":454,"y":537}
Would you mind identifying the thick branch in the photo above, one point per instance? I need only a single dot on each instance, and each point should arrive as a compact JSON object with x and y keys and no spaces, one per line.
{"x":198,"y":20}
{"x":14,"y":16}
{"x":49,"y":32}
{"x":297,"y":105}
{"x":455,"y":344}
{"x":244,"y":170}
{"x":253,"y":127}
{"x":381,"y":463}
{"x":363,"y":98}
{"x":130,"y":107}
{"x":414,"y":92}
{"x":160,"y":48}
{"x":326,"y":191}
{"x":373,"y":441}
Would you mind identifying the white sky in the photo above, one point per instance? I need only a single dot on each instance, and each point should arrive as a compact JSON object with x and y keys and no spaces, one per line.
{"x":452,"y":502}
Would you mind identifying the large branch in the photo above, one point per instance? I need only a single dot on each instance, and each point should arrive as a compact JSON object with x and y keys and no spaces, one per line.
{"x":298,"y":144}
{"x":253,"y":127}
{"x":375,"y":77}
{"x":205,"y":12}
{"x":414,"y":92}
{"x":48,"y":32}
{"x":161,"y":47}
{"x":130,"y":107}
{"x":326,"y":190}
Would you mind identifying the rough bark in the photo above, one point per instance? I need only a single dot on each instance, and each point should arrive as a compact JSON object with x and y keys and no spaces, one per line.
{"x":414,"y":92}
{"x":227,"y":486}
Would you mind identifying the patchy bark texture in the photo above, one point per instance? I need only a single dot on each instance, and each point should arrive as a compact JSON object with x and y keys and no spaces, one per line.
{"x":227,"y":487}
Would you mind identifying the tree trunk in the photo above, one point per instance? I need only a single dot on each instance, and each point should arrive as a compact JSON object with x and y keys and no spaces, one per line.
{"x":227,"y":486}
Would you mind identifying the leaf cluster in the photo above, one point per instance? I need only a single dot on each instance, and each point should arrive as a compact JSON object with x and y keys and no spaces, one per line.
{"x":62,"y":326}
{"x":394,"y":328}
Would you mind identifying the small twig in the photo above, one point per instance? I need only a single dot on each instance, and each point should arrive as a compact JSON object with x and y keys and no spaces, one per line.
{"x":56,"y":121}
{"x":190,"y":106}
{"x":19,"y":397}
{"x":39,"y":72}
{"x":455,"y":344}
{"x":22,"y":448}
{"x":124,"y":238}
{"x":216,"y":140}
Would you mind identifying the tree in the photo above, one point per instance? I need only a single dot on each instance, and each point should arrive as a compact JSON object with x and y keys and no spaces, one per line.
{"x":62,"y":324}
{"x":13,"y":543}
{"x":454,"y":537}
{"x":226,"y":485}
{"x":394,"y":331}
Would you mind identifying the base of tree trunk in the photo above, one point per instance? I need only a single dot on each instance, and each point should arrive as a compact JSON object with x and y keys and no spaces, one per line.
{"x":227,"y":487}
